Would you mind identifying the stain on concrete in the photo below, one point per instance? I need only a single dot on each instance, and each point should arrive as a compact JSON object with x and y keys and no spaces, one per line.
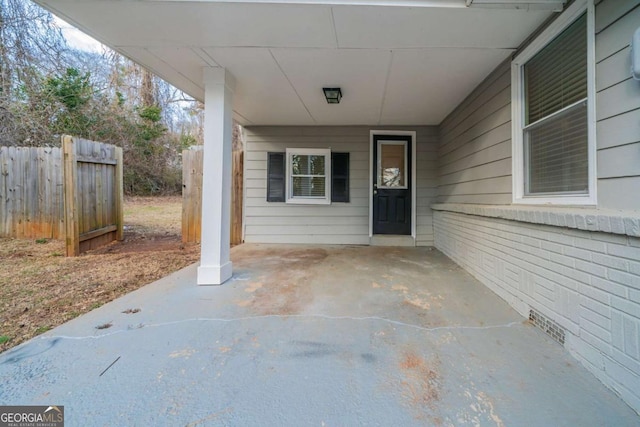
{"x":19,"y":353}
{"x":186,"y":353}
{"x":418,"y":302}
{"x":421,"y":384}
{"x":214,"y":416}
{"x":283,"y":288}
{"x":486,"y":404}
{"x":253,"y":286}
{"x":368,"y":357}
{"x":400,"y":288}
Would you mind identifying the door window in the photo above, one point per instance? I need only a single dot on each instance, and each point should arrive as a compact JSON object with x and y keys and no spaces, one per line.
{"x":392,"y":164}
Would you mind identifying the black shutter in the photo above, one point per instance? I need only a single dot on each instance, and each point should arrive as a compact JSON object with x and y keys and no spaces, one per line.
{"x":275,"y":177}
{"x":340,"y":177}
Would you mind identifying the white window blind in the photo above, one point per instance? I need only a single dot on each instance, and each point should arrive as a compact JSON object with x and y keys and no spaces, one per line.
{"x":556,"y":128}
{"x":308,"y":176}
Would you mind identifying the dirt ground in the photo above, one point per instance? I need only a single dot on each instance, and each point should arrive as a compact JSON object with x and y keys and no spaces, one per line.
{"x":40,"y":288}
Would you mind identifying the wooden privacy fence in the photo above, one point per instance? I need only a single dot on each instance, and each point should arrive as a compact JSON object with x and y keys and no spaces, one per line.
{"x":31,"y":193}
{"x":192,"y":161}
{"x":93,"y":194}
{"x":73,"y":192}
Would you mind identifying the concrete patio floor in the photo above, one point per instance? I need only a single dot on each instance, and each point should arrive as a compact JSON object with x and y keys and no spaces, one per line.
{"x":310,"y":336}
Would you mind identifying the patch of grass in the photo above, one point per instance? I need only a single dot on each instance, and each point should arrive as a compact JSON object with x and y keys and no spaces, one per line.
{"x":40,"y":286}
{"x":4,"y":339}
{"x":41,"y":241}
{"x":42,"y":329}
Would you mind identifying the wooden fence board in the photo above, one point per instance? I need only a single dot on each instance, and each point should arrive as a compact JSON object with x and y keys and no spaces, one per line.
{"x":28,"y":182}
{"x":40,"y":187}
{"x":72,"y":226}
{"x":191,"y":195}
{"x":192,"y":161}
{"x":236,"y":197}
{"x":99,"y":194}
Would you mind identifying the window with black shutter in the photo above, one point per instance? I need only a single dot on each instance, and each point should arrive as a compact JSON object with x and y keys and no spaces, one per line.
{"x":340,"y":177}
{"x":275,"y":177}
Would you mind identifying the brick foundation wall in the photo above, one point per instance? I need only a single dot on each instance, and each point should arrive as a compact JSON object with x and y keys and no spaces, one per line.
{"x":586,"y":282}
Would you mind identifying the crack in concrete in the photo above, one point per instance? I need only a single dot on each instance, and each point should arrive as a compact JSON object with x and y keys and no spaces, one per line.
{"x":288,"y":316}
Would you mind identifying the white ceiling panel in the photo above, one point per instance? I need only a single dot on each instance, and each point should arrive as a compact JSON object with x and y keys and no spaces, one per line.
{"x":200,"y":23}
{"x":263,"y":93}
{"x":186,"y":61}
{"x":394,"y":27}
{"x":160,"y":65}
{"x":426,"y":85}
{"x":396,"y":64}
{"x":360,"y":73}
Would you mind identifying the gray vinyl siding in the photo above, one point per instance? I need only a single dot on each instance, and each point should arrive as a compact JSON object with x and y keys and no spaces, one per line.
{"x":338,"y":223}
{"x":426,"y":181}
{"x":617,"y":106}
{"x":475,"y":145}
{"x":475,"y":139}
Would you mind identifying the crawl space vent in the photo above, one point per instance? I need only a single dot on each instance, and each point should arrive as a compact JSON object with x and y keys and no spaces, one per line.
{"x":547,"y":325}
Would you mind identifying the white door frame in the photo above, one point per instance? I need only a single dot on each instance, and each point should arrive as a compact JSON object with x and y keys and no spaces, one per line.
{"x":414,"y":184}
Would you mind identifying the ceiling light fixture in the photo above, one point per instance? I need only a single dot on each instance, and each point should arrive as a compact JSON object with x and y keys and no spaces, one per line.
{"x":333,"y":94}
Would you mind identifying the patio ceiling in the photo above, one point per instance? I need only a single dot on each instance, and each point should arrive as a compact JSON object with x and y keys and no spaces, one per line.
{"x":398,"y":63}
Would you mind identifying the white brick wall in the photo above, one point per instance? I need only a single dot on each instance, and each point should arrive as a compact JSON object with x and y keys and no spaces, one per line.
{"x":588,"y":282}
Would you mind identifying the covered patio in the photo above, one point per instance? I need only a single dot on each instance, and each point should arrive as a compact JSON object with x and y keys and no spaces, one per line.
{"x":311,"y":335}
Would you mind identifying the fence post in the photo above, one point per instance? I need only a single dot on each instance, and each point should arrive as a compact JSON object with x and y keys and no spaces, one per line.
{"x":119,"y":195}
{"x":72,"y":229}
{"x":236,"y":197}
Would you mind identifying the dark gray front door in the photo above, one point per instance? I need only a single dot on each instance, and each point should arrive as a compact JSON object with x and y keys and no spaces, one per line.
{"x":392,"y":184}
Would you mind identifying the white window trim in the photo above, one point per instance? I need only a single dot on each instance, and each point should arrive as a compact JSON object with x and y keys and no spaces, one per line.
{"x":517,"y":111}
{"x":326,"y":200}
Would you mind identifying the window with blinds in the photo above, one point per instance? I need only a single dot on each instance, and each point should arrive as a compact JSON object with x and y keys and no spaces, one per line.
{"x":555,"y":116}
{"x":308,"y":176}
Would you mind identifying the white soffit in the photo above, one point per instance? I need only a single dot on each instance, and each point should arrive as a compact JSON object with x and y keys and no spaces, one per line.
{"x":452,"y":75}
{"x":388,"y":27}
{"x":198,"y":23}
{"x":263,"y":93}
{"x":397,"y":62}
{"x":360,"y":73}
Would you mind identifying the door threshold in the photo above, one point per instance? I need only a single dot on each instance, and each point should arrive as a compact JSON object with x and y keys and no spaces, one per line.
{"x":391,"y":240}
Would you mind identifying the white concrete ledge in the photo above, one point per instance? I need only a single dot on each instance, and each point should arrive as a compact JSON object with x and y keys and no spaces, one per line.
{"x":606,"y":221}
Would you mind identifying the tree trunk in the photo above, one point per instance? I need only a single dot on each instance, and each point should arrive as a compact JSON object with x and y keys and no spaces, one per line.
{"x":147,"y":89}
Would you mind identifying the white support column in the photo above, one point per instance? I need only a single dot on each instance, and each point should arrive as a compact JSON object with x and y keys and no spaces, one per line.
{"x":215,"y":265}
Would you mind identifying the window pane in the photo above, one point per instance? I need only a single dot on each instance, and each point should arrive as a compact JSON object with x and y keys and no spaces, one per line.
{"x":557,"y":76}
{"x":299,"y":165}
{"x":557,"y":153}
{"x":307,"y":165}
{"x":316,"y":165}
{"x":304,"y":186}
{"x":392,"y":165}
